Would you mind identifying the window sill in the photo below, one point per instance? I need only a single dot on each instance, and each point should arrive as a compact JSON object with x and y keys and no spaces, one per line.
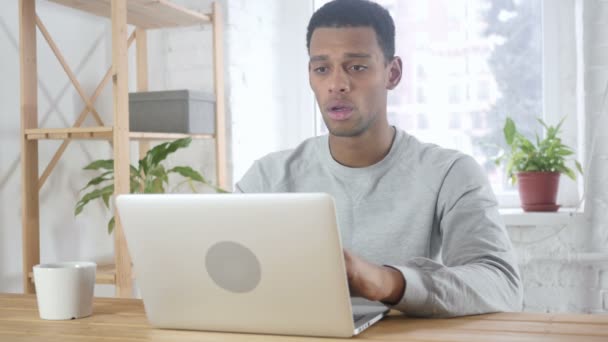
{"x":519,"y":218}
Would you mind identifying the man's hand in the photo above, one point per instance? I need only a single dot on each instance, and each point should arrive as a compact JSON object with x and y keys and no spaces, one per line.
{"x":373,"y":282}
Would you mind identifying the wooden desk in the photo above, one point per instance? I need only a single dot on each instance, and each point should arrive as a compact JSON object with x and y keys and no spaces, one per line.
{"x":124,"y":320}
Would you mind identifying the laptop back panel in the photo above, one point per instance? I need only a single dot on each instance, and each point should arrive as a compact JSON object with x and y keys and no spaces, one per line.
{"x":259,"y":263}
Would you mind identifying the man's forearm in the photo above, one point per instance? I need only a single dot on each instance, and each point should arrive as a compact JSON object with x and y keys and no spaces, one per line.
{"x":373,"y":282}
{"x":395,"y":285}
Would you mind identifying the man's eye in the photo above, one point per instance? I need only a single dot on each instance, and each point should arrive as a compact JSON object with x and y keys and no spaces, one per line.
{"x":320,"y":70}
{"x":358,"y":67}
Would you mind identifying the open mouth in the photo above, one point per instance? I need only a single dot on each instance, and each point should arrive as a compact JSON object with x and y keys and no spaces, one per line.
{"x":340,"y":112}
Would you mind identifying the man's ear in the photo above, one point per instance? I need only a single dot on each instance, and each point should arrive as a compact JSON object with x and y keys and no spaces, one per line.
{"x":394,"y":73}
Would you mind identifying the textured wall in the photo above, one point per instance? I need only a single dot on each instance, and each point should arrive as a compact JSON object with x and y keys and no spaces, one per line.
{"x":270,"y":105}
{"x":595,"y":44}
{"x":558,"y":272}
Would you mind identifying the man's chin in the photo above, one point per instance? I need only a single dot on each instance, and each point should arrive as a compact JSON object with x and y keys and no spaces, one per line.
{"x":347,"y":129}
{"x":345,"y":132}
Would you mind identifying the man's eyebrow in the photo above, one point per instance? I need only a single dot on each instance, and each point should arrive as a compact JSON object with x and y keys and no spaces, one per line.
{"x":347,"y":55}
{"x":319,"y":58}
{"x":357,"y":55}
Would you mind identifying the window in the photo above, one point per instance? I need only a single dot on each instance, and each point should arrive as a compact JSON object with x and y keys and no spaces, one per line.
{"x":422,"y":10}
{"x":421,"y":72}
{"x":478,"y":123}
{"x":455,"y":121}
{"x":453,"y":9}
{"x":454,"y":95}
{"x":406,"y":121}
{"x":423,"y":121}
{"x":420,"y":96}
{"x":483,"y":91}
{"x":483,"y":60}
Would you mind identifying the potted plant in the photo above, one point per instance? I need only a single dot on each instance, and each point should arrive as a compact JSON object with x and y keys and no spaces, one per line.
{"x":537,"y":167}
{"x":150,"y":176}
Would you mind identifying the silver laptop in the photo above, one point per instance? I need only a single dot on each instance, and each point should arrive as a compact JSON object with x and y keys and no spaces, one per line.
{"x":254,"y":263}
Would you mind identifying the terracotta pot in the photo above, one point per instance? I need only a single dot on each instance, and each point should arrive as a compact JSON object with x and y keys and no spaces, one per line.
{"x":538,"y":190}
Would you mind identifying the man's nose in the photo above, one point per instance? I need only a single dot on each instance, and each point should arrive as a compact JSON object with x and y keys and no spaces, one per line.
{"x":340,"y":83}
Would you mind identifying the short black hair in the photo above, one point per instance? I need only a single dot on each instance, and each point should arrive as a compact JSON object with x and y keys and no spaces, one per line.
{"x":356,"y":13}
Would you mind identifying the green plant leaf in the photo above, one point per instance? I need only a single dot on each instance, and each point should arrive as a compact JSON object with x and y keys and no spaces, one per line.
{"x":107,"y":164}
{"x":524,"y":144}
{"x":578,"y":167}
{"x":144,"y":165}
{"x":134,"y":172}
{"x":498,"y":160}
{"x":157,"y":150}
{"x":160,"y":172}
{"x":149,"y":177}
{"x":111,"y":225}
{"x":568,"y":172}
{"x":157,"y":186}
{"x":510,"y":165}
{"x":509,"y":131}
{"x":532,"y":167}
{"x":134,"y":186}
{"x":543,"y":123}
{"x":564,"y":152}
{"x":188,"y":172}
{"x":160,"y":152}
{"x":106,"y":200}
{"x":91,"y":196}
{"x":100,"y":179}
{"x":559,"y":125}
{"x":193,"y":175}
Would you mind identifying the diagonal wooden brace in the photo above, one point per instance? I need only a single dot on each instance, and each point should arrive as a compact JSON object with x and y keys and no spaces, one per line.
{"x":68,"y":71}
{"x":81,"y":117}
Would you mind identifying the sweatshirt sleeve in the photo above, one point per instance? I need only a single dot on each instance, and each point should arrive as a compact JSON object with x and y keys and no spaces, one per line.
{"x":479,"y":272}
{"x":254,"y":180}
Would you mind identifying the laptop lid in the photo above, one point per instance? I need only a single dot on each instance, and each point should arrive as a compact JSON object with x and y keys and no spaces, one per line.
{"x":258,"y":263}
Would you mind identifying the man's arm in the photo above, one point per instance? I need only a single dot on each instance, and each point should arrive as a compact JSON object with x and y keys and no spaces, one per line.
{"x":479,"y":273}
{"x":377,"y":283}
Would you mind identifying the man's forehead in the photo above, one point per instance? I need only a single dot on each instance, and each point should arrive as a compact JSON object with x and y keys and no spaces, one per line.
{"x":363,"y":34}
{"x":349,"y":42}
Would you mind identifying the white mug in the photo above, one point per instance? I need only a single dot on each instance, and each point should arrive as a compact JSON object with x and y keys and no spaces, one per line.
{"x":65,"y":290}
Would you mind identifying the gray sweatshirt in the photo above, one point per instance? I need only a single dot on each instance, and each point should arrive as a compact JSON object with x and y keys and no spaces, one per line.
{"x":424,"y":210}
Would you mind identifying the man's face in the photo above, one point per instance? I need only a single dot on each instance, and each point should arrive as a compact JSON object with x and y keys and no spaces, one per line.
{"x":350,"y":79}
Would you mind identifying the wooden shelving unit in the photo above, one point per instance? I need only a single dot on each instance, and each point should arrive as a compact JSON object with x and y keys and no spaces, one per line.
{"x":102,"y":133}
{"x":144,"y":15}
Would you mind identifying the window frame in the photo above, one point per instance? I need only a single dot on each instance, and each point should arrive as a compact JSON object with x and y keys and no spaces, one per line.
{"x":560,"y":52}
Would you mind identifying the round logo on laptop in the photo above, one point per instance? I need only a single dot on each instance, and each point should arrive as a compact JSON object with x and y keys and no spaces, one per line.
{"x":233,"y":267}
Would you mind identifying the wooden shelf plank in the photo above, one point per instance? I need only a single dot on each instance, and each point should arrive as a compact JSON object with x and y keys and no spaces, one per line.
{"x":147,"y":14}
{"x":166,"y":136}
{"x":102,"y":133}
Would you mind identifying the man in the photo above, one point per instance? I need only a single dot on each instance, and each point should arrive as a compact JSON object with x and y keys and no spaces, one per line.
{"x":419,"y":223}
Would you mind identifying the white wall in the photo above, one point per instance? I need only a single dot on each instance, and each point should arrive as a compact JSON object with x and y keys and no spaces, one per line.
{"x":269,"y":101}
{"x":595,"y":45}
{"x":559,"y":272}
{"x":271,"y":104}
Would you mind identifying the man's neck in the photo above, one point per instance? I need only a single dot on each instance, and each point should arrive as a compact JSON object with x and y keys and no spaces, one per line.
{"x":361,"y":151}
